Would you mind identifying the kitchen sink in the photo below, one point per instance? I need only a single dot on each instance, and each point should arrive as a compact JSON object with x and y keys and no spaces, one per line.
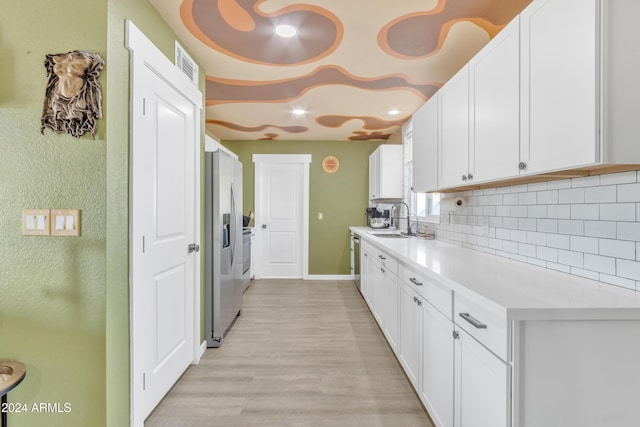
{"x":389,"y":235}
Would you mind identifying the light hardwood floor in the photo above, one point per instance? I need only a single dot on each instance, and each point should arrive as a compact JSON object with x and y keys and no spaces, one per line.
{"x":303,"y":353}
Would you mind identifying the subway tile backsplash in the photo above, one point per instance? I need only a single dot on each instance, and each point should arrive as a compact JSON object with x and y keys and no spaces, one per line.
{"x":588,"y":226}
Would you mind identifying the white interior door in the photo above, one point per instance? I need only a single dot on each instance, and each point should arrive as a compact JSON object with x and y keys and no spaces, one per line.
{"x":165,"y":272}
{"x":282,"y":200}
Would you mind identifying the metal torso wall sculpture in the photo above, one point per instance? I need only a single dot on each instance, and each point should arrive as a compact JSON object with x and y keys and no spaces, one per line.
{"x":73,"y":99}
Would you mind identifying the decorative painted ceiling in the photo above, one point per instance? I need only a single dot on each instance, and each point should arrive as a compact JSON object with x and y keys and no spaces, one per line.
{"x":350,"y":64}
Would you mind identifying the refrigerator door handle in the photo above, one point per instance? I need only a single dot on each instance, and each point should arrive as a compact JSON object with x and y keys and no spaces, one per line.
{"x":234,"y":221}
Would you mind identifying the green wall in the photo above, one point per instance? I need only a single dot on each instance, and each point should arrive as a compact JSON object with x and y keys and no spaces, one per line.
{"x":52,"y":289}
{"x":341,"y":196}
{"x":64,"y":302}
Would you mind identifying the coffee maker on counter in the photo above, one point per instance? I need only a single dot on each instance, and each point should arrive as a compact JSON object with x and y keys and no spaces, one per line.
{"x":377,"y":218}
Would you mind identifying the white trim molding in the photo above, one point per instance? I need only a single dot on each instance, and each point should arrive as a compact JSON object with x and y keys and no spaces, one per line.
{"x":348,"y":277}
{"x":203,"y":348}
{"x":145,"y":55}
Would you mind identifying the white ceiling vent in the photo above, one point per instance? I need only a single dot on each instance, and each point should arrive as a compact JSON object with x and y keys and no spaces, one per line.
{"x":186,"y":64}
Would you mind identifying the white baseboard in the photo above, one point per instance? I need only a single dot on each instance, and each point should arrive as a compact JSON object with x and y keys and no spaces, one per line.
{"x":329,"y":277}
{"x":311,"y":277}
{"x":203,"y":348}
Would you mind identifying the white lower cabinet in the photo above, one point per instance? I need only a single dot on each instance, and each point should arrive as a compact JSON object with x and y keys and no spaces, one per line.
{"x":379,"y":303}
{"x":380,"y":289}
{"x":475,"y":361}
{"x":482,"y":385}
{"x":410,"y":328}
{"x":460,"y":382}
{"x":389,"y":283}
{"x":437,"y":365}
{"x":366,"y":274}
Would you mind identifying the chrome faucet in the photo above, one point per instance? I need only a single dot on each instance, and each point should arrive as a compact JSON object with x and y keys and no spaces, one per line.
{"x":409,"y":232}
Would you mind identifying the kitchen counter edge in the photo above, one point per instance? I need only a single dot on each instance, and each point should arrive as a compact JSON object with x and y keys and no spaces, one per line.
{"x":523,"y":291}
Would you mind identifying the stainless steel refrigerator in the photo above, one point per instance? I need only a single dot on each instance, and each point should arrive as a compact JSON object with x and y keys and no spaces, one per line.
{"x":223,"y":244}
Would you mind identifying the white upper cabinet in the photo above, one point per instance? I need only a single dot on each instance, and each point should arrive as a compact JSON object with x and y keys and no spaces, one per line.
{"x":385,"y":173}
{"x":560,"y":84}
{"x":494,"y":83}
{"x":453,"y":144}
{"x":555,"y":90}
{"x":425,"y":147}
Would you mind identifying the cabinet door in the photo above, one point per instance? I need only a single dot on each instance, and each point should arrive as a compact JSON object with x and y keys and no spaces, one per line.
{"x":366,"y":276}
{"x":454,"y":130}
{"x":410,"y":341}
{"x":482,"y":386}
{"x":437,"y":365}
{"x":494,"y":76}
{"x":390,"y":286}
{"x":425,"y":147}
{"x":390,"y":172}
{"x":560,"y":87}
{"x":374,"y":174}
{"x":379,"y":302}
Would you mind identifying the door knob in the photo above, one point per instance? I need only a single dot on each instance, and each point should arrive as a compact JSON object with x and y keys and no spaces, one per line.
{"x":194,"y":248}
{"x":264,"y":225}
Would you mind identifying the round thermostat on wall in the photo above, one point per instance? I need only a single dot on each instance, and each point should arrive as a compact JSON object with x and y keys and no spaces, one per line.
{"x":330,"y":164}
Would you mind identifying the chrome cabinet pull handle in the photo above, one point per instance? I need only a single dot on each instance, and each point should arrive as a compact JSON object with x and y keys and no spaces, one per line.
{"x":475,"y":322}
{"x":381,"y":257}
{"x":414,"y":281}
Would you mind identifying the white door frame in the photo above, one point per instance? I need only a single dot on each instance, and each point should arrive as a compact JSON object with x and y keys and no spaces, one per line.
{"x":304,"y":159}
{"x":145,"y":54}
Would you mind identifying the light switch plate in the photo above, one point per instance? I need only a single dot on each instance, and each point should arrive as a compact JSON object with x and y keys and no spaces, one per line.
{"x":65,"y":222}
{"x":35,"y":222}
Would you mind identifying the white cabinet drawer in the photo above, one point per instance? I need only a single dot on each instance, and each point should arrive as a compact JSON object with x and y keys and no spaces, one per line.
{"x":438,"y":295}
{"x":389,"y":263}
{"x":484,"y":323}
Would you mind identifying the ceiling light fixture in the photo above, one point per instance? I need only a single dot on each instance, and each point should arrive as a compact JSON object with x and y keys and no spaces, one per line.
{"x":393,"y":112}
{"x":285,"y":30}
{"x":299,"y":112}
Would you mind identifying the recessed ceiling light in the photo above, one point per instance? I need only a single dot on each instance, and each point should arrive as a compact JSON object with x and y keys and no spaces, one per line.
{"x":285,"y":30}
{"x":393,"y":112}
{"x":299,"y":112}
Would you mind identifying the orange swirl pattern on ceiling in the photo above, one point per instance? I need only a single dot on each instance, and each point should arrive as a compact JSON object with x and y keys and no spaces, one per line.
{"x":239,"y":29}
{"x":368,"y":122}
{"x":289,"y":129}
{"x":223,"y":91}
{"x":366,"y":136}
{"x":422,"y":34}
{"x":391,"y":58}
{"x":269,"y":137}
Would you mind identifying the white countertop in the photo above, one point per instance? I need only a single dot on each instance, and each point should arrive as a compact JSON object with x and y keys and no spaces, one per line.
{"x":523,"y":291}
